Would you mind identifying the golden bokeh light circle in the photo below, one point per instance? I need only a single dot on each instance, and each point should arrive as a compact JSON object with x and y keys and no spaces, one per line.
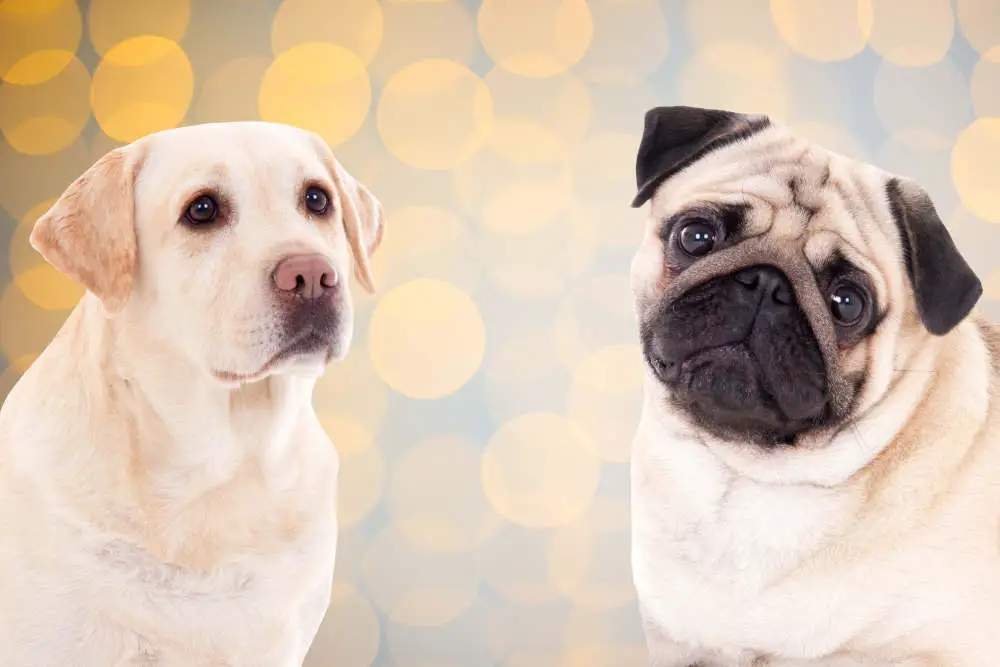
{"x":540,"y":263}
{"x":25,"y":327}
{"x":733,"y":76}
{"x":586,"y":561}
{"x":824,"y":30}
{"x":515,"y":565}
{"x":631,"y":41}
{"x":231,"y":92}
{"x":537,"y":121}
{"x":975,"y":168}
{"x":362,"y":467}
{"x":142,"y":85}
{"x":415,"y":30}
{"x":352,"y":387}
{"x":604,"y":182}
{"x":426,"y":242}
{"x":38,"y":280}
{"x":435,"y":114}
{"x":349,"y":635}
{"x":746,"y":23}
{"x":111,"y":22}
{"x":540,"y":470}
{"x":535,"y":38}
{"x":426,"y":338}
{"x":436,"y":498}
{"x":912,"y":36}
{"x":317,"y":86}
{"x":414,"y":587}
{"x":985,"y":84}
{"x":46,"y":117}
{"x":355,"y":25}
{"x":595,"y":315}
{"x":980,"y":23}
{"x":39,"y":38}
{"x":605,"y":397}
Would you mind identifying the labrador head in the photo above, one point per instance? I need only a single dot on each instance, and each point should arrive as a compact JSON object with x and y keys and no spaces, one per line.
{"x":231,"y":243}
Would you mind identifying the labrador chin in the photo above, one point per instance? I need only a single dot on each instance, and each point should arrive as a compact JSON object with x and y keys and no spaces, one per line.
{"x":816,"y":474}
{"x":167,"y":494}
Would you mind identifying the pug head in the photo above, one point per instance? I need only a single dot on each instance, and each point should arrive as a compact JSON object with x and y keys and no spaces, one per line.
{"x":780,"y":285}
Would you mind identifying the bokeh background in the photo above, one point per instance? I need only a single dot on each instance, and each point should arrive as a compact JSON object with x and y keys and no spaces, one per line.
{"x":485,"y":413}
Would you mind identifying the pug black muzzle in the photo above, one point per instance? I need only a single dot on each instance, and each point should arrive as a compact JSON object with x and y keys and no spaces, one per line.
{"x":738,"y":356}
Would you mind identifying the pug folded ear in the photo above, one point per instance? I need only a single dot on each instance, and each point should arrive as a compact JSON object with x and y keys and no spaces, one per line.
{"x":89,"y":233}
{"x":675,"y":137}
{"x":362,"y":213}
{"x":945,"y":287}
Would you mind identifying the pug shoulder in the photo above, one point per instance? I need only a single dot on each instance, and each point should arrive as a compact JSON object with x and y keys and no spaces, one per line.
{"x":816,"y":475}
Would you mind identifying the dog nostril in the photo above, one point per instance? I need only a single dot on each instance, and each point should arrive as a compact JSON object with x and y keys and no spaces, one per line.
{"x":328,"y":280}
{"x":300,"y":282}
{"x":749,"y":278}
{"x":783,"y":296}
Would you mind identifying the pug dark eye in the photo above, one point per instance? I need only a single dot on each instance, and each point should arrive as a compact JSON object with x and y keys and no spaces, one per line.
{"x":697,"y":238}
{"x":202,"y":211}
{"x":317,"y":201}
{"x":847,"y":303}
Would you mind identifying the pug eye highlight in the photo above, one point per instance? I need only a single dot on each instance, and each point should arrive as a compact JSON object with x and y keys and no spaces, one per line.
{"x":847,"y":304}
{"x":317,"y":200}
{"x":697,"y":238}
{"x":203,"y":210}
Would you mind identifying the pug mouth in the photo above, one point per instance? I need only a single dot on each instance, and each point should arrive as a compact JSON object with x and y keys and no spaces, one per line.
{"x":724,"y":390}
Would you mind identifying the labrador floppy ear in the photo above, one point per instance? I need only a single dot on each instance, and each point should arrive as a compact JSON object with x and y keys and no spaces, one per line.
{"x":675,"y":137}
{"x":945,"y":287}
{"x":89,"y":233}
{"x":362,"y":214}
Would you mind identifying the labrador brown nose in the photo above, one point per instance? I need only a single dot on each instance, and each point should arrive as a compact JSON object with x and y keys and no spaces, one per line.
{"x":306,"y":276}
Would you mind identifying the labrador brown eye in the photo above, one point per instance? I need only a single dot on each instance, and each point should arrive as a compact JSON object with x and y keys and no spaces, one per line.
{"x":202,"y":211}
{"x":697,"y":238}
{"x":847,"y":303}
{"x":317,"y":201}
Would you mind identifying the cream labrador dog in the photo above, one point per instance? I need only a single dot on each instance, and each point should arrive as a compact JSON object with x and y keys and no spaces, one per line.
{"x":816,"y":474}
{"x":167,"y":494}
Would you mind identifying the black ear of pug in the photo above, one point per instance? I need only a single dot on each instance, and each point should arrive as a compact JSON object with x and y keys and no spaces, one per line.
{"x":675,"y":137}
{"x":944,"y":284}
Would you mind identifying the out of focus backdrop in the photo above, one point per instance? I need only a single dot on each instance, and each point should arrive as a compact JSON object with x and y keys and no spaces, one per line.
{"x":485,"y":412}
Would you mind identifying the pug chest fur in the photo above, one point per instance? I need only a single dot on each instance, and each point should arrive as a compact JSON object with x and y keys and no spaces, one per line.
{"x":816,"y":473}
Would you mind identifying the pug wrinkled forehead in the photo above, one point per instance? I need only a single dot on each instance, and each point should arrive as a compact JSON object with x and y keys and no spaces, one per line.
{"x":780,"y":285}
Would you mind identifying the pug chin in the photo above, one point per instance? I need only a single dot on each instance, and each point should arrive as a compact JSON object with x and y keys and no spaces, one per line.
{"x":738,"y":358}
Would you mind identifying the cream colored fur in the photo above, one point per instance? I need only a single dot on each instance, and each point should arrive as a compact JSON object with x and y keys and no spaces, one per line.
{"x":877,"y":544}
{"x":163,"y":501}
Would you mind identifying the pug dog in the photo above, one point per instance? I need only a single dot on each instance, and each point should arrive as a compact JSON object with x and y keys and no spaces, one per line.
{"x":816,"y":472}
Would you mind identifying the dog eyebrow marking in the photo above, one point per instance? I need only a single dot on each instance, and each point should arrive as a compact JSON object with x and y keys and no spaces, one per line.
{"x":795,"y":184}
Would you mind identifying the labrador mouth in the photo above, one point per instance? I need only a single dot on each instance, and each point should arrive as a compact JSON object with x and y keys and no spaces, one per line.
{"x":309,"y":341}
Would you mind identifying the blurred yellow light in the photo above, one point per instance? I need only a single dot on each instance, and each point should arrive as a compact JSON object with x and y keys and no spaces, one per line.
{"x":355,"y":25}
{"x":426,"y":338}
{"x":114,"y":21}
{"x":232,"y":92}
{"x":46,"y":114}
{"x":975,"y":168}
{"x":985,"y":84}
{"x":436,"y":498}
{"x":631,"y":41}
{"x":416,"y":588}
{"x":25,"y":328}
{"x":535,"y":38}
{"x":731,"y":76}
{"x":744,"y":23}
{"x":142,"y":85}
{"x":606,"y":398}
{"x":980,"y":21}
{"x":351,"y":387}
{"x":416,"y":30}
{"x":537,"y":121}
{"x":824,"y":30}
{"x":317,"y":86}
{"x":597,"y":314}
{"x":912,"y":34}
{"x":515,"y":565}
{"x":435,"y":114}
{"x":362,"y":467}
{"x":39,"y":39}
{"x":540,"y":470}
{"x":604,"y":182}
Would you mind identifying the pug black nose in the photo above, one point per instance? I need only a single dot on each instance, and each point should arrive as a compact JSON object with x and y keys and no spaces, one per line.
{"x":767,"y":281}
